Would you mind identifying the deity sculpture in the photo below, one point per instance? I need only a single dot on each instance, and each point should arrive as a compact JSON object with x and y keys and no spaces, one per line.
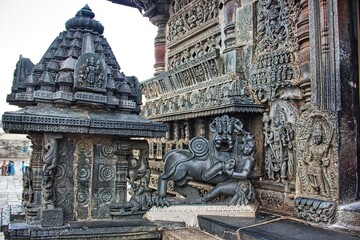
{"x":278,"y":142}
{"x":317,"y":163}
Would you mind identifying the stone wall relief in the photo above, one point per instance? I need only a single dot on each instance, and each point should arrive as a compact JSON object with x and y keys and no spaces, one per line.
{"x":315,"y":210}
{"x":196,"y":50}
{"x":50,"y":160}
{"x":219,"y":93}
{"x":317,"y":166}
{"x":83,"y":160}
{"x":279,"y":143}
{"x":276,"y":22}
{"x":226,"y":160}
{"x":188,"y":19}
{"x":64,"y":172}
{"x":91,"y":73}
{"x":275,"y":62}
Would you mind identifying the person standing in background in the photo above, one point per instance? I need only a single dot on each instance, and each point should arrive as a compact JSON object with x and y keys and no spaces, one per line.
{"x":23,"y":167}
{"x":12,"y":168}
{"x":4,"y":168}
{"x":9,"y":168}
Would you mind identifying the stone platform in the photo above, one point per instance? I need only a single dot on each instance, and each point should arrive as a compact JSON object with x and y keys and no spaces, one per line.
{"x":268,"y":227}
{"x":189,"y":213}
{"x":94,"y":229}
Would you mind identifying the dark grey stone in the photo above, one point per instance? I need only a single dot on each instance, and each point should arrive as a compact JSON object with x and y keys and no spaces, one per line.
{"x":226,"y":227}
{"x":52,"y":217}
{"x":285,"y":229}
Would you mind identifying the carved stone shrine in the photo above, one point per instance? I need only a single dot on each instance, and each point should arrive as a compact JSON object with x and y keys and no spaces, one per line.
{"x":82,"y":116}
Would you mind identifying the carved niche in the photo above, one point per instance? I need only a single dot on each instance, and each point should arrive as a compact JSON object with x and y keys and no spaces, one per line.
{"x":275,"y":62}
{"x":91,"y":73}
{"x":317,"y":164}
{"x":279,"y":144}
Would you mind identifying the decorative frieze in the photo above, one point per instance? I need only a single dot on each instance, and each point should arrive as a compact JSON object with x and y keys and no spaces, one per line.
{"x":315,"y":210}
{"x":187,"y":20}
{"x":274,"y":64}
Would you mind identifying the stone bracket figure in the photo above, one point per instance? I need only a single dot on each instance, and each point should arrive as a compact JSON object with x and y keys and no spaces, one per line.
{"x":228,"y":156}
{"x":50,"y":163}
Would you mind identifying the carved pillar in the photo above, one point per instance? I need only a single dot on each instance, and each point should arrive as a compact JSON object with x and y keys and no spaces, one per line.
{"x":32,"y":209}
{"x":304,"y":50}
{"x":159,"y":44}
{"x":200,"y":125}
{"x":230,"y":19}
{"x":187,"y":131}
{"x":169,"y":132}
{"x":229,"y":35}
{"x":118,"y":205}
{"x":176,"y":131}
{"x":324,"y":86}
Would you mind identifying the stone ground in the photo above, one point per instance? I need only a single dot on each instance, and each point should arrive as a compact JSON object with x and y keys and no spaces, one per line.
{"x":10,"y":190}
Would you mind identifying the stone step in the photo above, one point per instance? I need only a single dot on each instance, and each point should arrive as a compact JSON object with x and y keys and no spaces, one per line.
{"x":348,"y":217}
{"x":187,"y":234}
{"x":269,"y":227}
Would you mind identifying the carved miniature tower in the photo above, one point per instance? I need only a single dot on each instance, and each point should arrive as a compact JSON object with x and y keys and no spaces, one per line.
{"x":81,"y":114}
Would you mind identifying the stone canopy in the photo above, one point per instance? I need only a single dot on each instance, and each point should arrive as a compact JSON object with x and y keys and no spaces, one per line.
{"x":78,"y":87}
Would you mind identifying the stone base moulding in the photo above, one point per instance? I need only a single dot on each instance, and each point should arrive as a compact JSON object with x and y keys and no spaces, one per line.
{"x":188,"y":213}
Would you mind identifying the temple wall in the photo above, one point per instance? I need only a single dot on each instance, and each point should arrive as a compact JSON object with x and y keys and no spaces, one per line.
{"x":278,"y":66}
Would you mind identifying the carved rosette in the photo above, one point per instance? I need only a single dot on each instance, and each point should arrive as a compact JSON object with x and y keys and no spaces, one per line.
{"x":82,"y":170}
{"x":317,"y":170}
{"x":275,"y":62}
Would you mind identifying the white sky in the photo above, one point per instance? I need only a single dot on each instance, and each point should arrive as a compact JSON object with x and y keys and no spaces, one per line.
{"x":28,"y":27}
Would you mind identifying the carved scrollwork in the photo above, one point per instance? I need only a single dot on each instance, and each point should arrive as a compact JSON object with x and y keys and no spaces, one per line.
{"x":272,"y":199}
{"x":275,"y":60}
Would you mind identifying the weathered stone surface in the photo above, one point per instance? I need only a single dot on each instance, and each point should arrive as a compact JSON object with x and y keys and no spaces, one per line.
{"x":186,"y":233}
{"x":52,"y":217}
{"x":189,"y":213}
{"x":114,"y":229}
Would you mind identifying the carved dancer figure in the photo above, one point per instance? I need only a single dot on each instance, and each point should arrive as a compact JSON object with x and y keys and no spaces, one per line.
{"x":318,"y":162}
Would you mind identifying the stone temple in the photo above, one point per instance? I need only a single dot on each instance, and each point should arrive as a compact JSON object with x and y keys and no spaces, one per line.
{"x":249,"y":129}
{"x":82,"y":116}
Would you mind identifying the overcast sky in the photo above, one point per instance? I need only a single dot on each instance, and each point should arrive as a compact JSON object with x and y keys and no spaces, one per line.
{"x":28,"y":27}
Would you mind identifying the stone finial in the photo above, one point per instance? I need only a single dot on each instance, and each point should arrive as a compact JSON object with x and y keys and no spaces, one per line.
{"x":84,"y":20}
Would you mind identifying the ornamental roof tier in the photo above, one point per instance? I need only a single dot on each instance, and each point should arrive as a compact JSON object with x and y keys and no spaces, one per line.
{"x":77,"y":87}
